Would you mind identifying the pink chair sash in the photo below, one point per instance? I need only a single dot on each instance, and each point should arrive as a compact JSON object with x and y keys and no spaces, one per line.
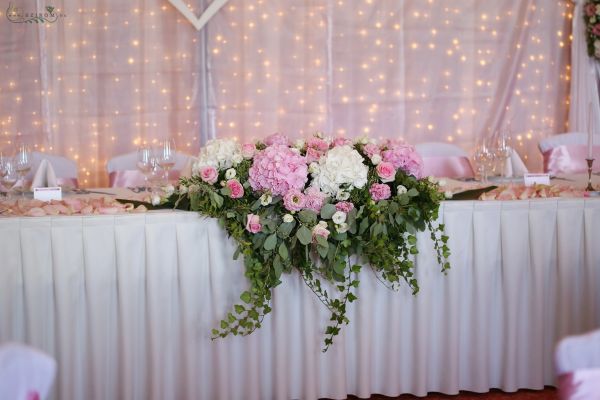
{"x":128,"y":178}
{"x":579,"y":385}
{"x":448,"y":166}
{"x":68,"y":182}
{"x":569,"y":159}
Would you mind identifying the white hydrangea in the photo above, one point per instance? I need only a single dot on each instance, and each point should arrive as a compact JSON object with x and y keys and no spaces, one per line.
{"x":341,"y":166}
{"x":218,"y":153}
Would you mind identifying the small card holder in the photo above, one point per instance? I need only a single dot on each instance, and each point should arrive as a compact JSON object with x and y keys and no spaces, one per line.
{"x":536,"y":179}
{"x":47,"y":193}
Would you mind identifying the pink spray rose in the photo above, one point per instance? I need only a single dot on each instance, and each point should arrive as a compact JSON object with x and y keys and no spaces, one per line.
{"x":320,"y":230}
{"x":278,"y":169}
{"x":294,"y":200}
{"x":344,"y":206}
{"x":380,"y":191}
{"x":248,"y":150}
{"x":596,"y":30}
{"x":313,"y":155}
{"x":253,"y":223}
{"x":590,"y":9}
{"x":405,"y":157}
{"x":209,"y":174}
{"x":277,"y":138}
{"x":371,"y":149}
{"x":236,"y":188}
{"x":317,"y":144}
{"x":314,"y":199}
{"x":386,"y":171}
{"x":341,"y":141}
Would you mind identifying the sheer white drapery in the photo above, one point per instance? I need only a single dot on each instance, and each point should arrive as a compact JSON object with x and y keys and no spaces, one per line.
{"x":112,"y":74}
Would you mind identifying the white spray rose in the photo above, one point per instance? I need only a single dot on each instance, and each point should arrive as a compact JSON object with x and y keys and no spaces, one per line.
{"x":341,"y":228}
{"x":376,"y":159}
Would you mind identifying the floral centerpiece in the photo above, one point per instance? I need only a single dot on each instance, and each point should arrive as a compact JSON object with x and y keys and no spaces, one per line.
{"x":312,"y":207}
{"x":591,"y":15}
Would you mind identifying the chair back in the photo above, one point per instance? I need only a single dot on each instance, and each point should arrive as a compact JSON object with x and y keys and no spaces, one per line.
{"x":25,"y":373}
{"x":64,"y":168}
{"x":445,"y":160}
{"x":577,"y":360}
{"x":565,"y":153}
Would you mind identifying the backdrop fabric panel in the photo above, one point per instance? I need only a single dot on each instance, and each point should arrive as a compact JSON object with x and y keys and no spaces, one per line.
{"x":126,"y":304}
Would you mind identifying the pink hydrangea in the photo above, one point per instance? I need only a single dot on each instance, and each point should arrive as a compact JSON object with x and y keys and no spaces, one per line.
{"x":248,"y":150}
{"x":317,"y":144}
{"x":253,"y":224}
{"x":344,"y":206}
{"x":370,"y":149}
{"x":209,"y":174}
{"x":278,"y":169}
{"x":277,"y":138}
{"x":236,"y":188}
{"x":406,"y":158}
{"x":314,"y":199}
{"x":294,"y":200}
{"x":341,"y":141}
{"x":380,"y":191}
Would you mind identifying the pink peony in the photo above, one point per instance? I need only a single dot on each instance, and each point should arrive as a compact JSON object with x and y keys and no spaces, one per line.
{"x":278,"y":169}
{"x":370,"y":149}
{"x":314,"y":199}
{"x":386,"y":171}
{"x":236,"y":188}
{"x":248,"y":150}
{"x":406,"y":158}
{"x":596,"y":30}
{"x":320,"y":230}
{"x":209,"y":174}
{"x":317,"y":144}
{"x":253,"y":223}
{"x":590,"y":9}
{"x":380,"y":191}
{"x":313,"y":155}
{"x":294,"y":200}
{"x":277,"y":138}
{"x":344,"y":206}
{"x":341,"y":141}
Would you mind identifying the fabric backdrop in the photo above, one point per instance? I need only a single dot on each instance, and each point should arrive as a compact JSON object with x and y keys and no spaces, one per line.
{"x":109,"y":75}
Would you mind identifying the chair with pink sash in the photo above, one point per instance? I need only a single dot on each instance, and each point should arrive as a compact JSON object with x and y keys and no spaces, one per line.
{"x":123,"y":172}
{"x":64,"y":169}
{"x":445,"y":160}
{"x":25,"y":373}
{"x":577,"y":360}
{"x":566,"y":153}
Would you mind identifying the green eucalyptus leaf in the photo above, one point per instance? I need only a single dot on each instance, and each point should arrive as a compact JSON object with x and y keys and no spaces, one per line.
{"x":327,"y":211}
{"x":412,"y":192}
{"x":304,"y":235}
{"x":271,"y":242}
{"x":307,"y":217}
{"x":283,"y":251}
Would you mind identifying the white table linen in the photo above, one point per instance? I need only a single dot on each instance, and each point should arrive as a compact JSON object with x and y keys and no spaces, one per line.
{"x":126,"y":303}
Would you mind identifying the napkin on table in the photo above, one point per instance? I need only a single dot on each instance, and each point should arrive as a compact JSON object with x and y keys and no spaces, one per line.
{"x":514,"y":166}
{"x":44,"y":176}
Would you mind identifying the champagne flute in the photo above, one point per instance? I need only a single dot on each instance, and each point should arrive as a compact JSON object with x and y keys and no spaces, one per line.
{"x":23,"y":161}
{"x":166,"y":156}
{"x":484,"y":159}
{"x":502,"y":150}
{"x":145,"y":158}
{"x":8,"y":174}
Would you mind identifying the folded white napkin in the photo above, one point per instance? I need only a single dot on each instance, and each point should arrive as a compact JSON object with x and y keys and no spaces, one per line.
{"x":44,"y":176}
{"x":514,"y":165}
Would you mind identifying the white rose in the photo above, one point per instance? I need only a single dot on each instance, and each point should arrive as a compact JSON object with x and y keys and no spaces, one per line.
{"x":299,"y":144}
{"x":339,"y":217}
{"x":342,"y":195}
{"x":448,"y":194}
{"x":341,"y":228}
{"x":230,"y":173}
{"x":401,"y":189}
{"x":376,"y":159}
{"x":341,"y":166}
{"x":322,"y":224}
{"x":266,"y":199}
{"x":155,"y":199}
{"x":287,"y":218}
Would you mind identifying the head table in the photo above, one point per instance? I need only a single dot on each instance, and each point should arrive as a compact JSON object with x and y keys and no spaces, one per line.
{"x":126,"y":304}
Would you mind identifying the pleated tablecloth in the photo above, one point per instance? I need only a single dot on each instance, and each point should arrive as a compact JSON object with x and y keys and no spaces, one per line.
{"x":126,"y":304}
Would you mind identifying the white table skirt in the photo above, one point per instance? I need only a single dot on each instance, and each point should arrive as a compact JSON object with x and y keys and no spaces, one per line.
{"x":126,"y":304}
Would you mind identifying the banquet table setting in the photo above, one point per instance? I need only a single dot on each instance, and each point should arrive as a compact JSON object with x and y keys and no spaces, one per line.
{"x":300,"y":199}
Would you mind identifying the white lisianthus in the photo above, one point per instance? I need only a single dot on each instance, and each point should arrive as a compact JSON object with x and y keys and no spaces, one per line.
{"x":266,"y":199}
{"x":341,"y":165}
{"x":230,"y":173}
{"x":401,"y":189}
{"x":342,"y":195}
{"x":322,"y":224}
{"x":299,"y":144}
{"x":339,"y":217}
{"x":341,"y":228}
{"x":155,"y":200}
{"x":376,"y":159}
{"x":287,"y":218}
{"x":219,"y":153}
{"x":448,"y":194}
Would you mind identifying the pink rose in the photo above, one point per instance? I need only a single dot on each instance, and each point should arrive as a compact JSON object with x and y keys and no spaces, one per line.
{"x":236,"y":188}
{"x":386,"y":171}
{"x":371,"y":149}
{"x":590,"y":9}
{"x":344,"y":206}
{"x":277,"y":138}
{"x":294,"y":200}
{"x":209,"y":174}
{"x":320,"y":230}
{"x":380,"y":191}
{"x":248,"y":150}
{"x":317,"y":144}
{"x":313,"y":155}
{"x":596,"y":30}
{"x":253,"y":223}
{"x":341,"y":141}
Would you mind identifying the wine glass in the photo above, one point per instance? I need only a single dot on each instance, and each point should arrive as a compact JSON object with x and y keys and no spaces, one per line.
{"x":8,"y":174}
{"x":166,"y":156}
{"x":502,"y":150}
{"x":483,"y":158}
{"x":145,"y":160}
{"x":23,"y":162}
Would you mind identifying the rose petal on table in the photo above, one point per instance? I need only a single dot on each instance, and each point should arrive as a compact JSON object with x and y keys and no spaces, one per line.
{"x":35,"y":212}
{"x":140,"y":209}
{"x":108,"y":210}
{"x":87,"y":210}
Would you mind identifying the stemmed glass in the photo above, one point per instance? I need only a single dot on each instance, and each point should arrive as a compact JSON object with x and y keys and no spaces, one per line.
{"x":502,"y":150}
{"x":8,"y":174}
{"x":484,"y":159}
{"x":23,"y":164}
{"x":145,"y":161}
{"x":166,"y":156}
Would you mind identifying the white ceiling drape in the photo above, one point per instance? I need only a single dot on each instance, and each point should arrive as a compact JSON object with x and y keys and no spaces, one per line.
{"x":112,"y":74}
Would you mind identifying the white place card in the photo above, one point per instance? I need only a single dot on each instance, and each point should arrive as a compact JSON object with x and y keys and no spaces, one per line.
{"x":536,"y":179}
{"x":47,"y":193}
